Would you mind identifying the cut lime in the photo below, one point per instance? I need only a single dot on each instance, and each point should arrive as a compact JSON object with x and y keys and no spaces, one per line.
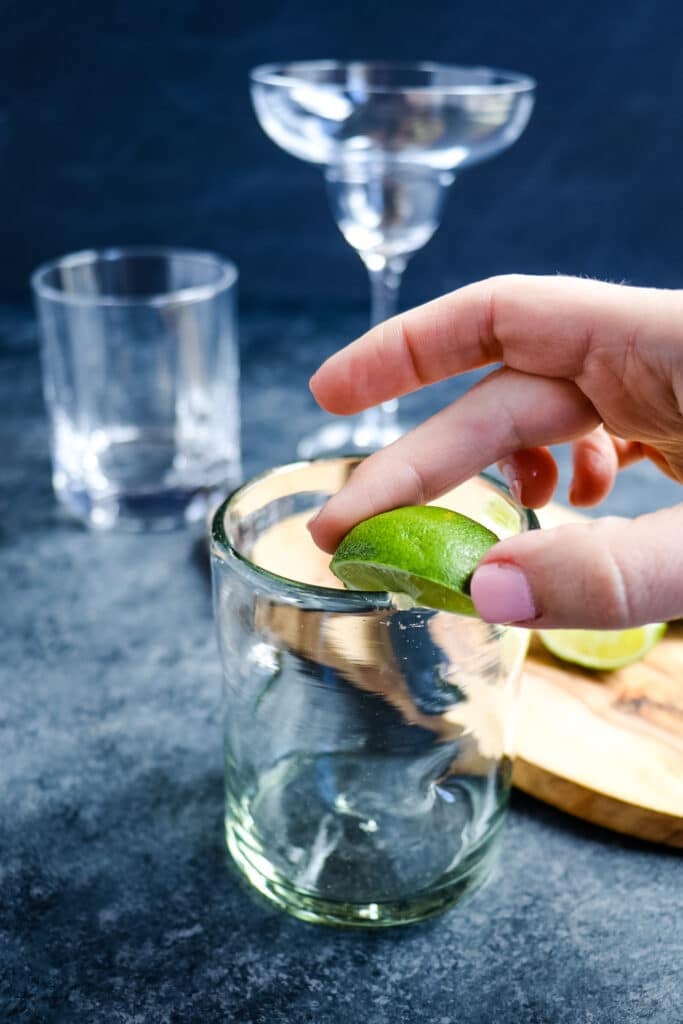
{"x":602,"y":649}
{"x":426,"y":552}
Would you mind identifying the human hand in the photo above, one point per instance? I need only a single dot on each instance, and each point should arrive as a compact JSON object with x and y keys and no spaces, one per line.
{"x":600,"y":365}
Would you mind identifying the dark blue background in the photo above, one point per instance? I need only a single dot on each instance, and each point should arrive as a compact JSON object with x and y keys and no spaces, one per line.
{"x":131,"y":122}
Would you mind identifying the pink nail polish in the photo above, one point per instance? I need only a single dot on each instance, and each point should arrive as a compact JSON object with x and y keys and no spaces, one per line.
{"x":509,"y":471}
{"x":501,"y":593}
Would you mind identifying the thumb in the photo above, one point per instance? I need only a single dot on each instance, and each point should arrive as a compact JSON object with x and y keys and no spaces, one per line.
{"x":610,"y":573}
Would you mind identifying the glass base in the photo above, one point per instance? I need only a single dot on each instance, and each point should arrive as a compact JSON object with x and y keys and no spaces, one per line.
{"x":468,"y":875}
{"x":160,"y":511}
{"x":352,"y":436}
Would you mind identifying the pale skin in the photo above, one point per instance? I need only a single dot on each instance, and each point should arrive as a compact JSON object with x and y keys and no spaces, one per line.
{"x":598,"y":365}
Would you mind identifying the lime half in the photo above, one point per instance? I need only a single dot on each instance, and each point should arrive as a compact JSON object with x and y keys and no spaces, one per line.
{"x":602,"y":649}
{"x":426,"y":552}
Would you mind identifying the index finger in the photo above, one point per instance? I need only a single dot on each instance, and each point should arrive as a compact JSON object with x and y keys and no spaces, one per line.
{"x":506,"y":412}
{"x":540,"y":325}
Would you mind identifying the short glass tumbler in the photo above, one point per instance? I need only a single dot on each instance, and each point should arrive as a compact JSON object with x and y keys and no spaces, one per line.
{"x":367,"y":744}
{"x":140,"y":370}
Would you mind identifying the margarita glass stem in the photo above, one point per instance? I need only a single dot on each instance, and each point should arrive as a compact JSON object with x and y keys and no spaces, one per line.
{"x":385,"y":280}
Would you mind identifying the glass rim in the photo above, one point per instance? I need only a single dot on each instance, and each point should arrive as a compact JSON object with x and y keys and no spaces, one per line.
{"x":227,"y":278}
{"x":353,"y":600}
{"x":277,"y":73}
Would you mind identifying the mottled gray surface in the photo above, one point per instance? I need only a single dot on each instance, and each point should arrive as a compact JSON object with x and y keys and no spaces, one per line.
{"x":116,"y":901}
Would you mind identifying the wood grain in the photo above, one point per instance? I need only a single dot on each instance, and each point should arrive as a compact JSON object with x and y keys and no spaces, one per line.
{"x":605,"y":747}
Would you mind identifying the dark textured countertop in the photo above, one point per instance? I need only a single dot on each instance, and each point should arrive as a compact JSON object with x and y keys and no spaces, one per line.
{"x":116,"y":904}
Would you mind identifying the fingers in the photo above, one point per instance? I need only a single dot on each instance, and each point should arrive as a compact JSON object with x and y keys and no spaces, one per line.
{"x":607,"y":574}
{"x":506,"y":412}
{"x":532,"y":474}
{"x":628,"y":452}
{"x":596,"y":464}
{"x":541,"y":325}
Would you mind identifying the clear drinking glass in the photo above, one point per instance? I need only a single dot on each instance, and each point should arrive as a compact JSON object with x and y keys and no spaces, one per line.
{"x":391,"y":137}
{"x":367,"y":746}
{"x":141,"y":376}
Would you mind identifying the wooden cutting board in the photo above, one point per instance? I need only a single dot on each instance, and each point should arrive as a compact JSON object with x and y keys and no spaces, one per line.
{"x":606,"y":747}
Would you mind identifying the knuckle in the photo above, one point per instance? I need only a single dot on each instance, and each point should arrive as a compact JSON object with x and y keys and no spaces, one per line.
{"x":409,"y":347}
{"x":596,"y":443}
{"x":496,"y":294}
{"x":417,"y":482}
{"x":589,"y":583}
{"x":609,"y":577}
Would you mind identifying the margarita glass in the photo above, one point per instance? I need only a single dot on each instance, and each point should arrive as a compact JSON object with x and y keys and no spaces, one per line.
{"x":391,"y":138}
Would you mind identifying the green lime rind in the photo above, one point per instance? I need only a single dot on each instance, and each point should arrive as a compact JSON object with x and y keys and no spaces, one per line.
{"x":602,"y":650}
{"x":426,"y":552}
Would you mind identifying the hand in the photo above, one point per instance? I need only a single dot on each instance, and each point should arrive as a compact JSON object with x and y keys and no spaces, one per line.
{"x":597,"y":364}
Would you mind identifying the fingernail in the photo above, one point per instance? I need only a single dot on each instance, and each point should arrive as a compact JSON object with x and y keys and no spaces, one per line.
{"x":509,"y":471}
{"x":313,"y":518}
{"x":501,"y":593}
